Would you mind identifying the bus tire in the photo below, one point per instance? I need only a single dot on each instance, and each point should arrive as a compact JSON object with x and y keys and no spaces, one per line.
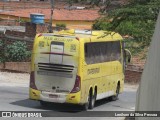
{"x":92,"y":100}
{"x":115,"y":97}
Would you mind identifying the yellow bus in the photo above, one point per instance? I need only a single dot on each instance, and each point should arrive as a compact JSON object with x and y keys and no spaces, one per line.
{"x":77,"y":67}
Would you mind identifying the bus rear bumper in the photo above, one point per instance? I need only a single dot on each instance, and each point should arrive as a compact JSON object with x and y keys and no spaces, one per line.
{"x":53,"y":97}
{"x":72,"y":98}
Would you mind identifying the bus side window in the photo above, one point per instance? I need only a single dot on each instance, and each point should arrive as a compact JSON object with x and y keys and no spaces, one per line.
{"x":89,"y":53}
{"x":99,"y":52}
{"x":115,"y":51}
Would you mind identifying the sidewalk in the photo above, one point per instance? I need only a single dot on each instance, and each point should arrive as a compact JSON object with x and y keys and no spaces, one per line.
{"x":14,"y":79}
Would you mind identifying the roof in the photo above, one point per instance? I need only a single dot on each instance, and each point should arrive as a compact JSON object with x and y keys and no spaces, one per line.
{"x":59,"y":14}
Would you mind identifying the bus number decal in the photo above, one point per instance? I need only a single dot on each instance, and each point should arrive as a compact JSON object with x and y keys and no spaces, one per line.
{"x":73,"y":48}
{"x":93,"y":71}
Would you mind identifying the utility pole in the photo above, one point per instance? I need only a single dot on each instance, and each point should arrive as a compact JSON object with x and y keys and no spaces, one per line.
{"x":51,"y":17}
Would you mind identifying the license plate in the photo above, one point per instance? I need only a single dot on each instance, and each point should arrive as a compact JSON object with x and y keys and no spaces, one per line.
{"x":53,"y":96}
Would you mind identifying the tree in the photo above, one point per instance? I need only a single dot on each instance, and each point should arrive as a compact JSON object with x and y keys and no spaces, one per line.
{"x":103,"y":5}
{"x":136,"y":19}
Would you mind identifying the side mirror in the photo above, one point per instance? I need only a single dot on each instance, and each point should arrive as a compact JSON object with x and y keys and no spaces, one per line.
{"x":128,"y":56}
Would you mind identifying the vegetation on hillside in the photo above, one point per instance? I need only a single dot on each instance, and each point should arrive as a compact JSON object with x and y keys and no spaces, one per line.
{"x":136,"y":19}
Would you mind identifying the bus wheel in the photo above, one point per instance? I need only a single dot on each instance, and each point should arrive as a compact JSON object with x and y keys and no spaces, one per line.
{"x":92,"y":100}
{"x":115,"y":97}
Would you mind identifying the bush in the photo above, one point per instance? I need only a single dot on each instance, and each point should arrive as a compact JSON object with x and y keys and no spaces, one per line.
{"x":2,"y":59}
{"x":17,"y":52}
{"x":101,"y":24}
{"x":62,"y":25}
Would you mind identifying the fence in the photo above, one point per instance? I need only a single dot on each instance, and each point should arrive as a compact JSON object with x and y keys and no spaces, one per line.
{"x":16,"y":66}
{"x":133,"y":74}
{"x":7,"y":40}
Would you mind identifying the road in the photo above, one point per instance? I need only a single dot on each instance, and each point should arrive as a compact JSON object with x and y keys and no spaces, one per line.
{"x":14,"y":97}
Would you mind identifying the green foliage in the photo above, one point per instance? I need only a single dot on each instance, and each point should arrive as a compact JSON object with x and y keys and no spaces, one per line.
{"x":101,"y":24}
{"x":22,"y":20}
{"x":61,"y":25}
{"x":17,"y":52}
{"x":1,"y":43}
{"x":136,"y":19}
{"x":1,"y":51}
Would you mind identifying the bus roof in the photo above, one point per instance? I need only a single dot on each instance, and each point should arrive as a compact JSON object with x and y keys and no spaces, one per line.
{"x":84,"y":34}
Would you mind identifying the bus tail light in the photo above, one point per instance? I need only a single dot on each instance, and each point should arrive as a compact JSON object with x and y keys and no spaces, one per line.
{"x":32,"y":81}
{"x":77,"y":85}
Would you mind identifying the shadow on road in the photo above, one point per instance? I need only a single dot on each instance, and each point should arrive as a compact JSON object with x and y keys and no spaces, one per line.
{"x":102,"y":102}
{"x":55,"y":106}
{"x":51,"y":106}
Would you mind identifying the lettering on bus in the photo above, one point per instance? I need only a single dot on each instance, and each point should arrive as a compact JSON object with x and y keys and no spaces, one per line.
{"x":57,"y":39}
{"x":41,"y":44}
{"x":73,"y":48}
{"x":63,"y":39}
{"x":48,"y":38}
{"x":93,"y":71}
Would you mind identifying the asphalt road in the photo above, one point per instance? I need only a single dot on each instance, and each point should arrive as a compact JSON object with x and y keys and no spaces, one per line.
{"x":14,"y":97}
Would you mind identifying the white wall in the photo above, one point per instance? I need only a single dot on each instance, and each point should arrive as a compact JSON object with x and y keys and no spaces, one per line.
{"x":148,"y":94}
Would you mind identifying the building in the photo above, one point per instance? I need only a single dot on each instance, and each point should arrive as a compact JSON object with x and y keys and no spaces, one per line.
{"x":77,"y":19}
